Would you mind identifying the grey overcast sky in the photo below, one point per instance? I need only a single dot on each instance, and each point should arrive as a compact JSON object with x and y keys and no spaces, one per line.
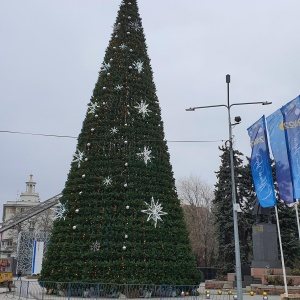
{"x":51,"y":52}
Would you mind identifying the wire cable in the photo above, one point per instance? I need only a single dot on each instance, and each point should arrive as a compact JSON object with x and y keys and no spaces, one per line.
{"x":75,"y":137}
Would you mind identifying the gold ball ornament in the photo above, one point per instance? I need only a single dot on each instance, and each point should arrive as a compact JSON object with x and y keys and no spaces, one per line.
{"x":219,"y":292}
{"x":264,"y":293}
{"x":187,"y":293}
{"x":229,"y":292}
{"x":251,"y":293}
{"x":207,"y":292}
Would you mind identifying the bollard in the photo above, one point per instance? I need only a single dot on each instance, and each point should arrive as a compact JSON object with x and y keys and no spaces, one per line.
{"x":235,"y":297}
{"x":265,"y":295}
{"x":207,"y":294}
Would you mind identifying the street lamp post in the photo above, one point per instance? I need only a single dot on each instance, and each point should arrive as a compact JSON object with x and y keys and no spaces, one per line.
{"x":234,"y":203}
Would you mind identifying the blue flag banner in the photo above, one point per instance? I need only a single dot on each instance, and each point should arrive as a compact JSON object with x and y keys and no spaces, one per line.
{"x":279,"y":150}
{"x":261,"y":164}
{"x":291,"y":126}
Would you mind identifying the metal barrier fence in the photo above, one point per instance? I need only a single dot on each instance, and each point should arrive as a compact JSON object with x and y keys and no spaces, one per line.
{"x":22,"y":289}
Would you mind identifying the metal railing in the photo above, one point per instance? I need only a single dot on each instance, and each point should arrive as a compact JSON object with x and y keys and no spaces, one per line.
{"x":23,"y":289}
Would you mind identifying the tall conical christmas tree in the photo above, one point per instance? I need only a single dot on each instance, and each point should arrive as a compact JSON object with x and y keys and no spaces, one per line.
{"x":120,"y":219}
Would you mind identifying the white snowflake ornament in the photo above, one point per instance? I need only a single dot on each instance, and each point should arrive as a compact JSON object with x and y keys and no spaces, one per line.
{"x":107,"y":181}
{"x":92,"y":107}
{"x":123,"y":47}
{"x":143,"y":108}
{"x":154,"y":211}
{"x":135,"y":25}
{"x":116,"y":27}
{"x":59,"y":211}
{"x":118,"y":87}
{"x":95,"y":246}
{"x":114,"y":130}
{"x":78,"y":157}
{"x":145,"y":155}
{"x":138,"y":65}
{"x":105,"y":66}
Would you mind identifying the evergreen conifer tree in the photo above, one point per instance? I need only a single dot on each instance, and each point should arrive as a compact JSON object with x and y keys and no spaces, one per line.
{"x":224,"y":214}
{"x":120,"y":219}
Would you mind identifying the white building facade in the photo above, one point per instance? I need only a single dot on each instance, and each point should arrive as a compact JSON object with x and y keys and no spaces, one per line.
{"x":39,"y":223}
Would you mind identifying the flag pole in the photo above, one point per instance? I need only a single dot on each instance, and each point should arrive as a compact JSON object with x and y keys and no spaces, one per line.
{"x":281,"y":252}
{"x":297,"y":217}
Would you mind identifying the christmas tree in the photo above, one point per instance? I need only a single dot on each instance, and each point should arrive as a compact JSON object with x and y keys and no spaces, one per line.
{"x":119,"y":218}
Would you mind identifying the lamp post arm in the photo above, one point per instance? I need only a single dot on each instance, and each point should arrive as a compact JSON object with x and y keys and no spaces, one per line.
{"x":229,"y":105}
{"x":207,"y":106}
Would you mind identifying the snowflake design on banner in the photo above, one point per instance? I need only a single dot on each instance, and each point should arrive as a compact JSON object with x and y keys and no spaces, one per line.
{"x":59,"y":211}
{"x":118,"y":87}
{"x":138,"y":66}
{"x":105,"y":66}
{"x":142,"y":108}
{"x":78,"y":157}
{"x":135,"y":25}
{"x":145,"y":155}
{"x":107,"y":181}
{"x":95,"y":246}
{"x":92,"y":107}
{"x":114,"y":130}
{"x":123,"y":47}
{"x":154,"y":211}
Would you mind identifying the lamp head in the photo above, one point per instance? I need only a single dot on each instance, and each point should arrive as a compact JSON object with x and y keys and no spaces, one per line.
{"x":266,"y":103}
{"x":237,"y":119}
